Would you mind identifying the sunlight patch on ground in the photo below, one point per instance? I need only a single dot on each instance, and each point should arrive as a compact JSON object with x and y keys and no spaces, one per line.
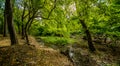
{"x":5,"y":42}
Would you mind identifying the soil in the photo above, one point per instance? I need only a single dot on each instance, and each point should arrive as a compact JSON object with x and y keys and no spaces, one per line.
{"x":30,"y":55}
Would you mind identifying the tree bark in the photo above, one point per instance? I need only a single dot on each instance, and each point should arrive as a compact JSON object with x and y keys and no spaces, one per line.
{"x":26,"y":37}
{"x":9,"y":15}
{"x":89,"y":38}
{"x":5,"y":25}
{"x":22,"y":27}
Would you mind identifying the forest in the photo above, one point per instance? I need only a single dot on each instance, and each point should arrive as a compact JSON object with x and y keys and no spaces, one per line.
{"x":59,"y":32}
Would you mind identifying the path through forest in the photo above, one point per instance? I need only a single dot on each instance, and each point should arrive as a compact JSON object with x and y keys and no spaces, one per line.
{"x":30,"y":55}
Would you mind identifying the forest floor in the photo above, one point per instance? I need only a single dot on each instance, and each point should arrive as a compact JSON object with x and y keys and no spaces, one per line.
{"x":39,"y":55}
{"x":105,"y":55}
{"x":30,"y":55}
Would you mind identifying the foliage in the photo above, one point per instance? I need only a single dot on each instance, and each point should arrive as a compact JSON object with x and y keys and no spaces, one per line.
{"x":60,"y":18}
{"x":59,"y":41}
{"x":63,"y":19}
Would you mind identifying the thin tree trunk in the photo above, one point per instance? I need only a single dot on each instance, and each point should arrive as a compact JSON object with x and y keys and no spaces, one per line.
{"x":22,"y":27}
{"x":25,"y":29}
{"x":26,"y":37}
{"x":27,"y":26}
{"x":23,"y":32}
{"x":9,"y":12}
{"x":89,"y":38}
{"x":5,"y":25}
{"x":30,"y":25}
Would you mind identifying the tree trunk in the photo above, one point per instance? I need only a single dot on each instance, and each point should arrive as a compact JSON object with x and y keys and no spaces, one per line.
{"x":89,"y":38}
{"x":27,"y":26}
{"x":9,"y":12}
{"x":23,"y":31}
{"x":30,"y":25}
{"x":26,"y":37}
{"x":5,"y":25}
{"x":22,"y":27}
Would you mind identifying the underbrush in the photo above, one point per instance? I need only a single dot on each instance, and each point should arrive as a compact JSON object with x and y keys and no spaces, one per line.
{"x":58,"y":41}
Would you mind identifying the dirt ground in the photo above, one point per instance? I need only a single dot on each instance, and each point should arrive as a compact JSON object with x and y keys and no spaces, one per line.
{"x":30,"y":55}
{"x":36,"y":54}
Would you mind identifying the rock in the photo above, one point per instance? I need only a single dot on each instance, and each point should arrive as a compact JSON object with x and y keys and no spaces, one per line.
{"x":108,"y":40}
{"x":79,"y":56}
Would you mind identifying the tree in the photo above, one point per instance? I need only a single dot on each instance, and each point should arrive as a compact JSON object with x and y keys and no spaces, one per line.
{"x":9,"y":19}
{"x":82,"y":8}
{"x":31,"y":10}
{"x":5,"y":25}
